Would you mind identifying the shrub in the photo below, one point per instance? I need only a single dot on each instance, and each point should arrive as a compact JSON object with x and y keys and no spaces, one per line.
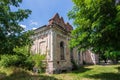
{"x":22,"y":51}
{"x":9,"y":60}
{"x":22,"y":58}
{"x":39,"y":64}
{"x":28,"y":63}
{"x":26,"y":59}
{"x":17,"y":61}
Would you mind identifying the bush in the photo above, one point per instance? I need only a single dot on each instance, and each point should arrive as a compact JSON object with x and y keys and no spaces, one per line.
{"x":17,"y":61}
{"x":22,"y":58}
{"x":28,"y":63}
{"x":9,"y":60}
{"x":26,"y":60}
{"x":22,"y":51}
{"x":39,"y":64}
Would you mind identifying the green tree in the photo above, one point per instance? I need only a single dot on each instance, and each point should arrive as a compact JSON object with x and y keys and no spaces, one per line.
{"x":97,"y":25}
{"x":11,"y":33}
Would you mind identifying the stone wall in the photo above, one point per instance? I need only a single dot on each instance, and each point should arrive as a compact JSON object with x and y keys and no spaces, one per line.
{"x":48,"y":42}
{"x":58,"y":63}
{"x":87,"y":57}
{"x":40,"y":43}
{"x":90,"y":58}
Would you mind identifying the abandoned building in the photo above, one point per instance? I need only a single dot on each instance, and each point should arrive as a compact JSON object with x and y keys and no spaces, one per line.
{"x":53,"y":40}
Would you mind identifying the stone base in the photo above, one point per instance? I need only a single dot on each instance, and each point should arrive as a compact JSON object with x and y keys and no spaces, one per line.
{"x":58,"y":71}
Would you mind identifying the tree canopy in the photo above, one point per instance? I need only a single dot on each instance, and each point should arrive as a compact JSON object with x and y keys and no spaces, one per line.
{"x":11,"y":33}
{"x":97,"y":25}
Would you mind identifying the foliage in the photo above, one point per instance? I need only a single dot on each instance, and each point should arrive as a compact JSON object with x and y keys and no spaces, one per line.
{"x":114,"y":55}
{"x":97,"y":25}
{"x":16,"y":60}
{"x":39,"y":62}
{"x":28,"y":63}
{"x":26,"y":60}
{"x":22,"y":50}
{"x":8,"y":60}
{"x":11,"y":33}
{"x":22,"y":59}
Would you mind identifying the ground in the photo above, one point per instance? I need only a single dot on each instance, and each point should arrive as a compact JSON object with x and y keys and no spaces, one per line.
{"x":96,"y":72}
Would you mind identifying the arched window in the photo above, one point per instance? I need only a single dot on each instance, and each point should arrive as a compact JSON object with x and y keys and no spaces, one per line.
{"x":71,"y":54}
{"x":62,"y":55}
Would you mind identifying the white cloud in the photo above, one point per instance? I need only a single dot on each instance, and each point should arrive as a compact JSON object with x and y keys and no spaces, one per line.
{"x":34,"y":28}
{"x":33,"y":23}
{"x":24,"y":26}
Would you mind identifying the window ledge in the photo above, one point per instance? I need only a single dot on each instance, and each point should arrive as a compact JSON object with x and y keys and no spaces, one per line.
{"x":63,"y":60}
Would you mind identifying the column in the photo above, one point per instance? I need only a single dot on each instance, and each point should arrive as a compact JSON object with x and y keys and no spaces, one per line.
{"x":52,"y":45}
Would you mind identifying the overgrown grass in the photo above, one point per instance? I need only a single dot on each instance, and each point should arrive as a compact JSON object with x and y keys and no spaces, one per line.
{"x":13,"y":73}
{"x":97,"y":72}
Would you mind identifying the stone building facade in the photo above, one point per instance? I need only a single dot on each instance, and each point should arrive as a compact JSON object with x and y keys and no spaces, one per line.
{"x":53,"y":40}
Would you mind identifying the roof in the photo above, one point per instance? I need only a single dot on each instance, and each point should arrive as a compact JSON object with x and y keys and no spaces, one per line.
{"x":60,"y":21}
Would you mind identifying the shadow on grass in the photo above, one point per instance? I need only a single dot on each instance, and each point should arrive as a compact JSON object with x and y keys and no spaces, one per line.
{"x":2,"y":75}
{"x":118,"y":68}
{"x":22,"y":75}
{"x":81,"y":69}
{"x":105,"y":76}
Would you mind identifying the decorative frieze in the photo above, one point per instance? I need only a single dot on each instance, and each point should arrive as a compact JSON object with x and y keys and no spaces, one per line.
{"x":61,"y":36}
{"x":42,"y":36}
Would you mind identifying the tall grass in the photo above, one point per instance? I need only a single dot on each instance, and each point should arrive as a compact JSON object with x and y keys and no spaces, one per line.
{"x":96,"y":72}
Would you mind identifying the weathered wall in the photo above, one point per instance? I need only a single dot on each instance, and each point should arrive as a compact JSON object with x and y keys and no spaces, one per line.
{"x":89,"y":57}
{"x":58,"y":63}
{"x":40,"y":43}
{"x":77,"y":57}
{"x":48,"y":42}
{"x":86,"y":57}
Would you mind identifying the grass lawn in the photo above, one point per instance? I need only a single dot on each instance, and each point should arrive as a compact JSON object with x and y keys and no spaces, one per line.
{"x":96,"y":72}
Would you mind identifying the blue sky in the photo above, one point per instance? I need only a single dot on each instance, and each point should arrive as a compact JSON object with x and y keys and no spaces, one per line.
{"x":43,"y":10}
